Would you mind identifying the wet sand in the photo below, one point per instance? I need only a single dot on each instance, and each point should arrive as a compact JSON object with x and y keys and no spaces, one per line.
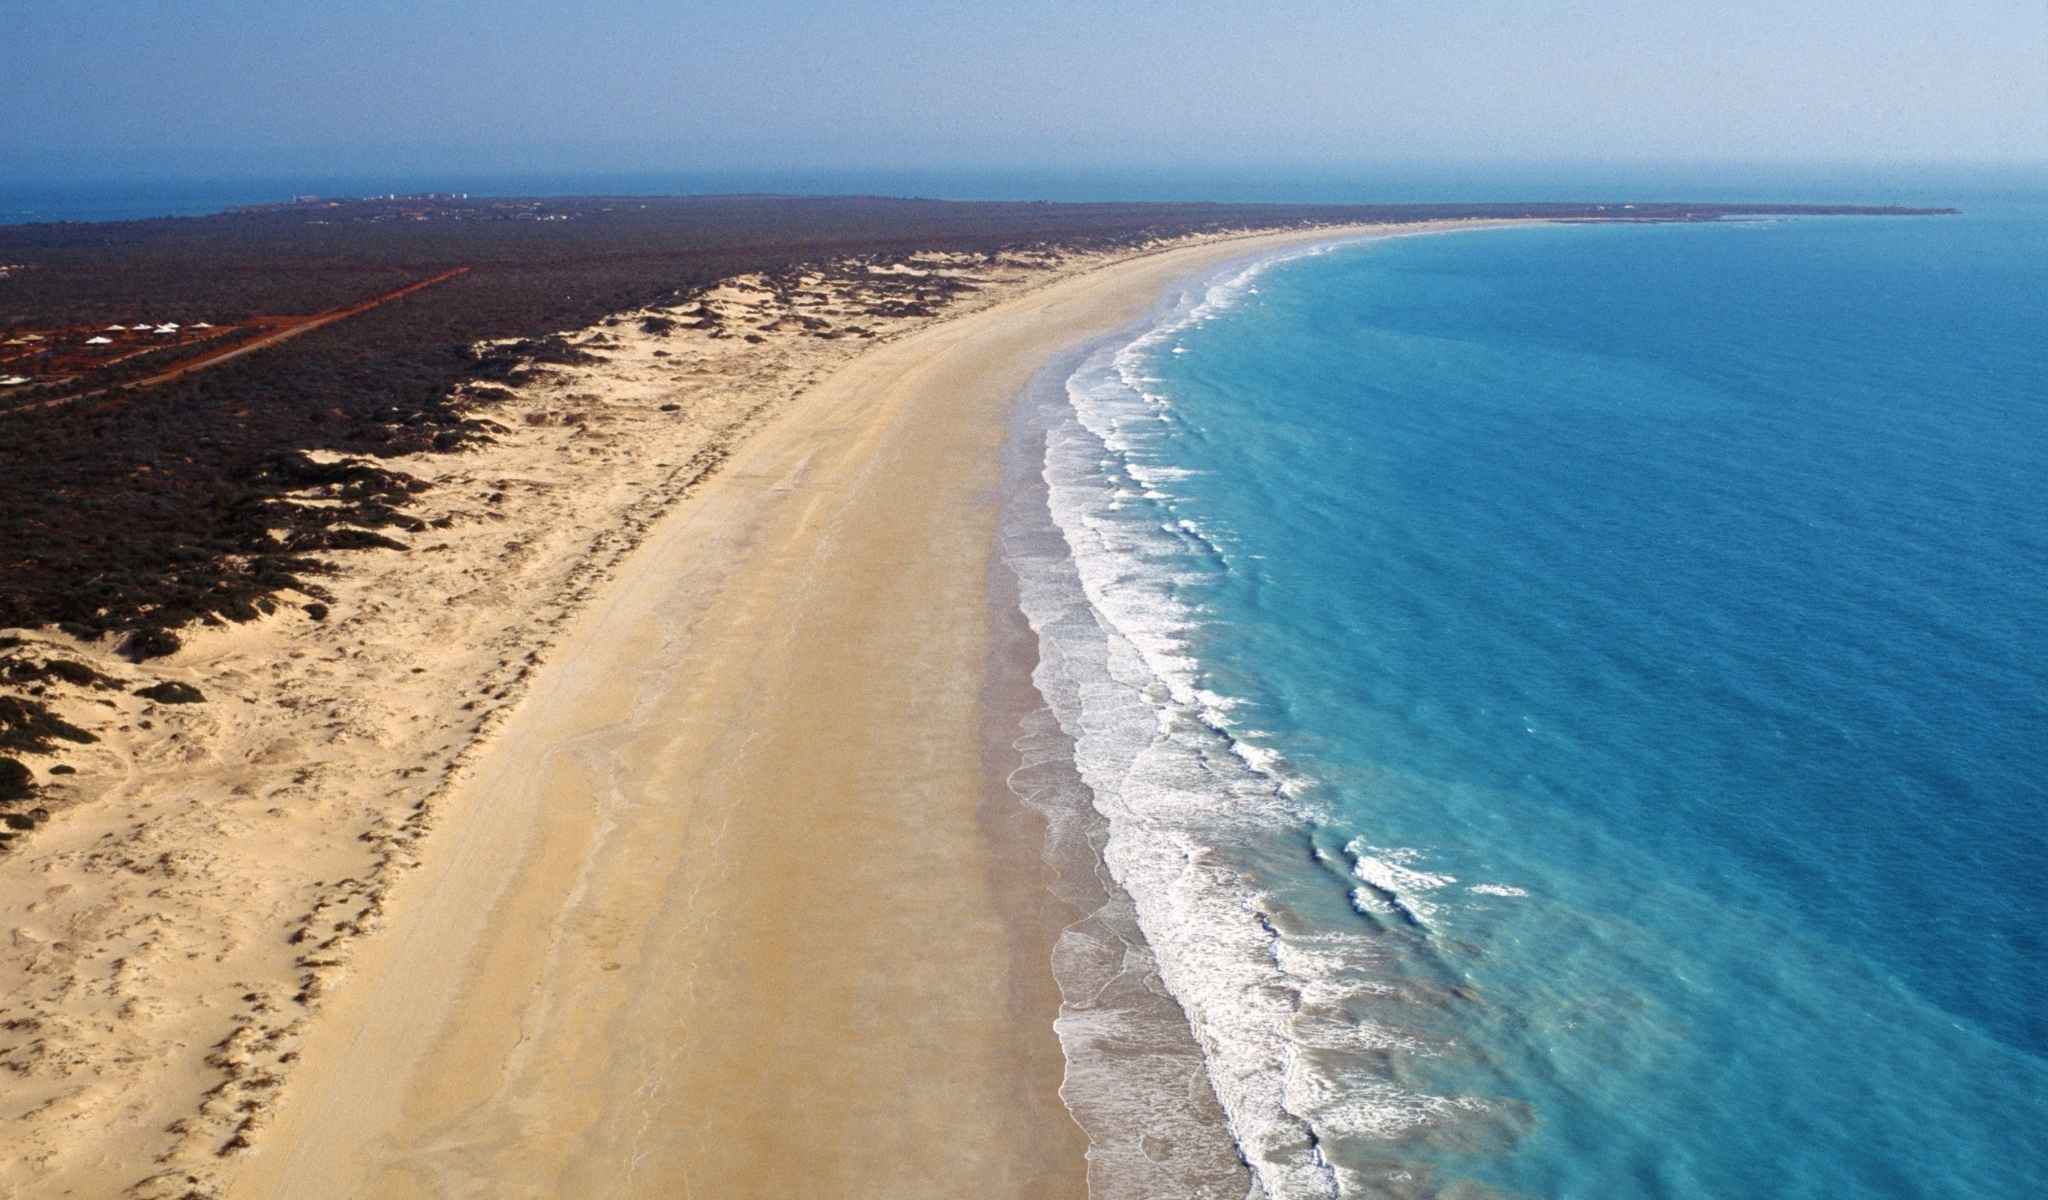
{"x":728,"y":907}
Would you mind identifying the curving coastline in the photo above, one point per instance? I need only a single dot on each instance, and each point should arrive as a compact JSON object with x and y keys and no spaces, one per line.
{"x":201,"y":878}
{"x":1192,"y":1026}
{"x":1406,"y":982}
{"x":721,"y":900}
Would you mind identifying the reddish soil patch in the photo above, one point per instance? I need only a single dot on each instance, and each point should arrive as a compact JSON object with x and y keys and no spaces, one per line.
{"x":280,"y":328}
{"x":251,"y":335}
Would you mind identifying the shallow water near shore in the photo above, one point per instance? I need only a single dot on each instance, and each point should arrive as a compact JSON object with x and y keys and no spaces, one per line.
{"x":1566,"y":705}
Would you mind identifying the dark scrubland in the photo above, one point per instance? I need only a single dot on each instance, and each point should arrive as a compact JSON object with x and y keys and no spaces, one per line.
{"x":132,"y":512}
{"x":27,"y":726}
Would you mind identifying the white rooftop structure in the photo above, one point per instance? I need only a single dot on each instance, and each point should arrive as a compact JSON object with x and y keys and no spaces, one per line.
{"x":13,"y":380}
{"x":202,"y":325}
{"x":117,"y":329}
{"x":166,"y":329}
{"x":99,"y":341}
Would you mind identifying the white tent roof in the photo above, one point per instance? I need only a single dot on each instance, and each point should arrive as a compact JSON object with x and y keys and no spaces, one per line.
{"x":117,"y":329}
{"x":99,"y":341}
{"x":202,"y":325}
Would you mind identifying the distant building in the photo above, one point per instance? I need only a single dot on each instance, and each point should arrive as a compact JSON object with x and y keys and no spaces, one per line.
{"x":99,"y":341}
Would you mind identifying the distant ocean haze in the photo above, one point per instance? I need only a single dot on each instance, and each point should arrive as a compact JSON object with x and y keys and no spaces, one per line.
{"x":1601,"y":674}
{"x":23,"y":197}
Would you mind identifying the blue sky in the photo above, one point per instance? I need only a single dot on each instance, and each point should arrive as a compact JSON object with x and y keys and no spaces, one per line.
{"x":100,"y":90}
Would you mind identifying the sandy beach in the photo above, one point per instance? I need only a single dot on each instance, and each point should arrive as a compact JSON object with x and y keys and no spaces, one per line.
{"x":665,"y":788}
{"x":721,"y":916}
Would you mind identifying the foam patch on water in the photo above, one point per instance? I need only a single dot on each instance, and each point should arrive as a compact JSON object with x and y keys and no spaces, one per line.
{"x":1498,"y":889}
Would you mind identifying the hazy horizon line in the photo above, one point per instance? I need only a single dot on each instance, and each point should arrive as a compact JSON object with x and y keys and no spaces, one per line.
{"x":18,"y":173}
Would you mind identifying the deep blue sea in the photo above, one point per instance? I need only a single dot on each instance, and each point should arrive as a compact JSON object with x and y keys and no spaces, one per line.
{"x":1569,"y":705}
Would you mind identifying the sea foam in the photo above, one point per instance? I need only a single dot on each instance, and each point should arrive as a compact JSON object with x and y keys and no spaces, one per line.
{"x":1188,"y":807}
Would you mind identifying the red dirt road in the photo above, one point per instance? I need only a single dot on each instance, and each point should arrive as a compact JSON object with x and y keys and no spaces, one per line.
{"x":283,"y":328}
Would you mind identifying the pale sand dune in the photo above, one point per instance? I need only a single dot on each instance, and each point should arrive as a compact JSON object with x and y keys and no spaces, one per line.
{"x":712,"y":907}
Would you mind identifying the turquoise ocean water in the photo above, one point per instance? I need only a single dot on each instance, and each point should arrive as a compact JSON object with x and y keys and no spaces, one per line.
{"x":1568,"y":708}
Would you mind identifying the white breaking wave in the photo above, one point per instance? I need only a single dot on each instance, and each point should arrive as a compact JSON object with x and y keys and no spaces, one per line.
{"x":1392,"y":884}
{"x":1181,"y":796}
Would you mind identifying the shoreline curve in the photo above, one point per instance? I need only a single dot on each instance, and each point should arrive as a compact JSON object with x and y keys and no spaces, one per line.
{"x":723,"y":908}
